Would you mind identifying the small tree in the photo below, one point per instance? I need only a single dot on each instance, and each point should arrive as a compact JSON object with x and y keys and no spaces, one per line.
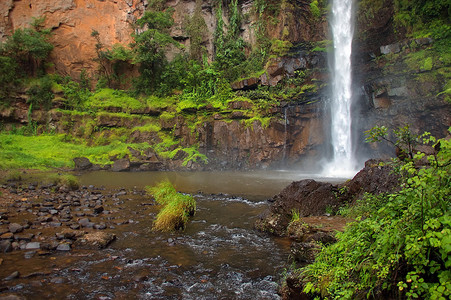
{"x":151,"y":39}
{"x":29,"y":47}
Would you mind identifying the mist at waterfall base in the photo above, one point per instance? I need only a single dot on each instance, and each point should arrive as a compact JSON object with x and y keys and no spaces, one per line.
{"x":342,"y":163}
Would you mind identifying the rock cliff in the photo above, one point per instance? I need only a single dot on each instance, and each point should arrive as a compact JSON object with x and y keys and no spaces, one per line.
{"x":391,"y":88}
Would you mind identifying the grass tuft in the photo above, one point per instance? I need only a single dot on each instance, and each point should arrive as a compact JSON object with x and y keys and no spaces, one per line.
{"x":177,"y":208}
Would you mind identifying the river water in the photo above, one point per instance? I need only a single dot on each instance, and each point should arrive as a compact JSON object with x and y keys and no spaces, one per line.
{"x":218,"y":256}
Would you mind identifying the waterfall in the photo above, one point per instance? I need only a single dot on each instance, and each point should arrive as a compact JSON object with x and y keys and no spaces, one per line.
{"x":342,"y":164}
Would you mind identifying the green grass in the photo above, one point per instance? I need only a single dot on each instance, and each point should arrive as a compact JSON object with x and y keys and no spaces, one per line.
{"x":68,"y":180}
{"x":176,"y":210}
{"x":109,"y":98}
{"x":54,"y":151}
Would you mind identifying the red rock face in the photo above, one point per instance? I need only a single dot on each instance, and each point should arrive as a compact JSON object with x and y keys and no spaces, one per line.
{"x":72,"y":22}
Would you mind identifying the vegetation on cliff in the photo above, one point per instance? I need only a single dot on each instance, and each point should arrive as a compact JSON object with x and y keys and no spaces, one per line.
{"x":399,"y":244}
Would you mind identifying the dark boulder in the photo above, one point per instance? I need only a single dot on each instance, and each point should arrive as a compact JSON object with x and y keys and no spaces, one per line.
{"x":82,"y":163}
{"x":311,"y":198}
{"x":306,"y":197}
{"x":121,"y":165}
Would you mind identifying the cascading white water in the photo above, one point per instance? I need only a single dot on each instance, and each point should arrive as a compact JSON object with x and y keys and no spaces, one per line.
{"x":342,"y":164}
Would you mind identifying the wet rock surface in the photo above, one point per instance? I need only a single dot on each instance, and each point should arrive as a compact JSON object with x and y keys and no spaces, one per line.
{"x":120,"y":257}
{"x":54,"y":218}
{"x":312,"y":198}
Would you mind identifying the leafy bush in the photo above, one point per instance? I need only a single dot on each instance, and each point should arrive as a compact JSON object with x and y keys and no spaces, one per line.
{"x":40,"y":93}
{"x":401,"y":246}
{"x":177,"y":208}
{"x":29,"y":47}
{"x":8,"y":78}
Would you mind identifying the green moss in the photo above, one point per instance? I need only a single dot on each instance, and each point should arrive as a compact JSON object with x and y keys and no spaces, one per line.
{"x":314,"y":9}
{"x":280,"y":48}
{"x":166,"y":116}
{"x":148,"y":127}
{"x":264,"y":121}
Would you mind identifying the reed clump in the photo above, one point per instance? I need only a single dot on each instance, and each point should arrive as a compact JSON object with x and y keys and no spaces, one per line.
{"x":176,"y":210}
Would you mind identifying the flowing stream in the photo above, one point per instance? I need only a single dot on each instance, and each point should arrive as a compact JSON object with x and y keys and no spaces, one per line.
{"x":218,"y":256}
{"x":342,"y":163}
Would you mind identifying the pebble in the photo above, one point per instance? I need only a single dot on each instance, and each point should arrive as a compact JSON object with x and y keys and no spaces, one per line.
{"x":33,"y":245}
{"x":29,"y":254}
{"x":84,"y":222}
{"x":15,"y":228}
{"x":5,"y":246}
{"x":63,"y":247}
{"x":57,"y":280}
{"x":12,"y":276}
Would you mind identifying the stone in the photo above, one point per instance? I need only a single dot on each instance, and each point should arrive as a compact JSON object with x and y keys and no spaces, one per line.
{"x":5,"y":246}
{"x":15,"y":228}
{"x":84,"y":222}
{"x":121,"y":165}
{"x":95,"y":240}
{"x":7,"y":236}
{"x":82,"y":163}
{"x":12,"y":276}
{"x":392,"y":48}
{"x":305,"y":252}
{"x":63,"y":247}
{"x":98,"y":209}
{"x":33,"y":245}
{"x":57,"y":280}
{"x":308,"y":197}
{"x":24,"y":237}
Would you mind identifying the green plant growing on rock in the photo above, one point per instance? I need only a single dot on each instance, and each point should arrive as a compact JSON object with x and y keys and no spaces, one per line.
{"x":400,"y":245}
{"x":176,"y":210}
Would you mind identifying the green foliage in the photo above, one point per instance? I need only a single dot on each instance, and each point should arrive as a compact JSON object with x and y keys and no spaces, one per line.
{"x":177,"y":208}
{"x":76,"y":95}
{"x":40,"y":93}
{"x":197,"y":30}
{"x":110,"y":98}
{"x":295,"y":216}
{"x":229,"y":44}
{"x":55,"y":151}
{"x":151,"y":39}
{"x":404,"y":140}
{"x":162,"y":192}
{"x":400,"y":243}
{"x":280,"y":48}
{"x":9,"y":79}
{"x":314,"y":9}
{"x":28,"y":47}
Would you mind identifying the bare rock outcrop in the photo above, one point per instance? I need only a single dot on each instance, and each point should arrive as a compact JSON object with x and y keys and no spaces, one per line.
{"x":72,"y":22}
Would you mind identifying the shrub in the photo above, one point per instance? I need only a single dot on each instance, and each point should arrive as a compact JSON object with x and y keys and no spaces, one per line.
{"x":177,"y":208}
{"x":400,"y":245}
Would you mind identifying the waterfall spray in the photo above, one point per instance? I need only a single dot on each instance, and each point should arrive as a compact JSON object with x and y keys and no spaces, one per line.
{"x":342,"y":164}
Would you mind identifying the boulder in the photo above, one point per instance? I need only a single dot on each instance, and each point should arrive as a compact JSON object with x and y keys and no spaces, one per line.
{"x":82,"y":163}
{"x":307,"y":197}
{"x":121,"y":165}
{"x":311,"y":198}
